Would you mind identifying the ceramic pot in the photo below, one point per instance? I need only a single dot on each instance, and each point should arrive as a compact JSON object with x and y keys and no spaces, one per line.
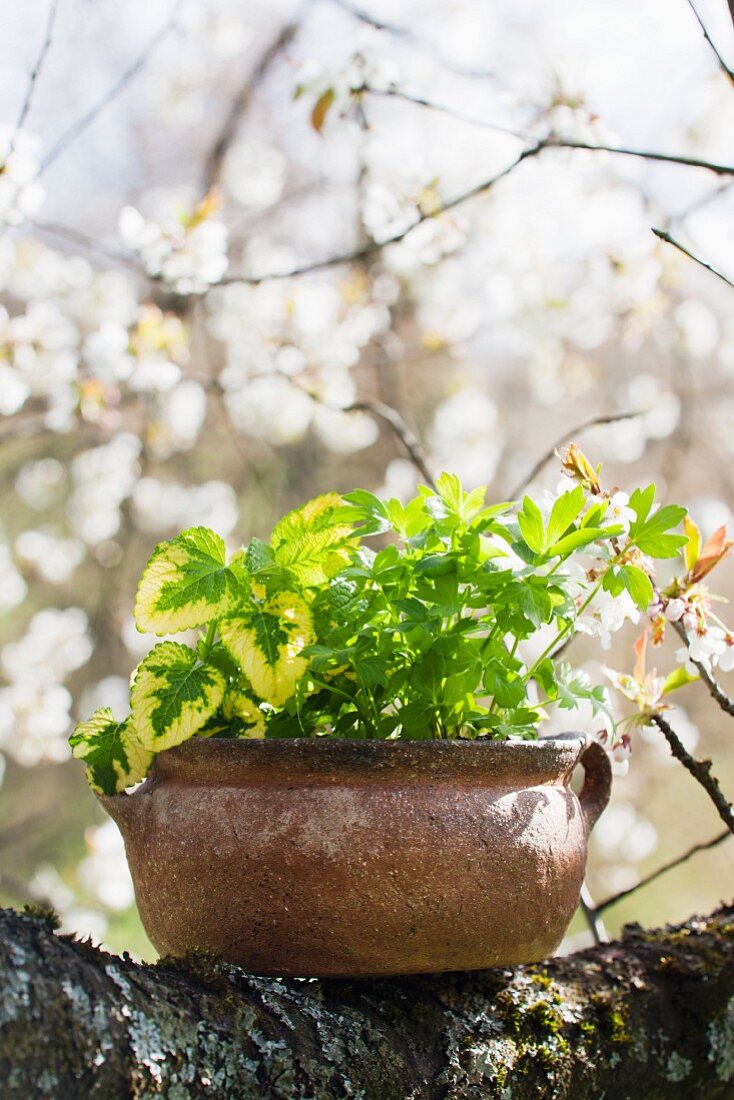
{"x":320,"y":857}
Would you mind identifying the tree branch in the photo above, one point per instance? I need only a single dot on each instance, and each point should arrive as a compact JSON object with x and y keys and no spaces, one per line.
{"x":607,"y":418}
{"x":715,"y":690}
{"x":552,"y":142}
{"x":654,"y":875}
{"x":699,"y":769}
{"x":451,"y":112}
{"x":392,"y":418}
{"x":681,"y":248}
{"x":35,"y":73}
{"x":647,"y":1016}
{"x":363,"y":253}
{"x":722,"y":64}
{"x":240,"y":103}
{"x":70,"y":135}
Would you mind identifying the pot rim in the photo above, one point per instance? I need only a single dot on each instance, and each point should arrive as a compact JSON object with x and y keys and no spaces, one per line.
{"x":240,"y":762}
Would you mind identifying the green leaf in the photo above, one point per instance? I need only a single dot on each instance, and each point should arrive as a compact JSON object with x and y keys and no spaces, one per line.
{"x":641,"y":502}
{"x":678,"y":679}
{"x":661,"y":546}
{"x":578,"y":539}
{"x":268,"y":642}
{"x":259,"y":557}
{"x":565,"y":510}
{"x":638,"y":584}
{"x":506,"y":686}
{"x":187,"y":583}
{"x":369,"y":511}
{"x":650,"y":534}
{"x":530,"y":522}
{"x":173,"y":695}
{"x":112,"y":752}
{"x":314,"y":543}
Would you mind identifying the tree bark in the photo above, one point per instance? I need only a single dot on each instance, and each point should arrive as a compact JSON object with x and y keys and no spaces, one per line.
{"x":648,"y":1017}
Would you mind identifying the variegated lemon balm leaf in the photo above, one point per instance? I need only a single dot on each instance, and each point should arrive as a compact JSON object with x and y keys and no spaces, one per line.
{"x":239,"y":705}
{"x":267,"y":644}
{"x":112,"y":751}
{"x":312,"y":543}
{"x":187,"y":583}
{"x":173,"y":695}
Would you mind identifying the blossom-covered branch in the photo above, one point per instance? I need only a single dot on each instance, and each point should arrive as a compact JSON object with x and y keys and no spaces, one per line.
{"x":435,"y":210}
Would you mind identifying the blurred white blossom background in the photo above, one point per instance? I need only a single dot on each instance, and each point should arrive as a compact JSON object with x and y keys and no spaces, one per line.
{"x":166,"y":170}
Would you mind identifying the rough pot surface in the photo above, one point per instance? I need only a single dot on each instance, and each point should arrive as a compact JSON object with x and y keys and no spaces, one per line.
{"x":319,"y":857}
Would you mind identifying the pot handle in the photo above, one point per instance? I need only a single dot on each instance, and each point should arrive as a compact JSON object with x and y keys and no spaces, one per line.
{"x":597,"y":783}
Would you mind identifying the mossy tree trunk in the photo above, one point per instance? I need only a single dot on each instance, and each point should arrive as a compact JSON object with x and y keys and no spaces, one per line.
{"x":650,"y":1016}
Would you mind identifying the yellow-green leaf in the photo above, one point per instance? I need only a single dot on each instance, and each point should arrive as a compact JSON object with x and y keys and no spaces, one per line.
{"x":112,"y":752}
{"x":187,"y":583}
{"x":267,"y":644}
{"x":321,"y":109}
{"x":238,"y":704}
{"x":313,"y":542}
{"x":173,"y":695}
{"x":693,"y":547}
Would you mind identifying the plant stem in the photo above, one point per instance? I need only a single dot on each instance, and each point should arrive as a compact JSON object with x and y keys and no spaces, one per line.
{"x":562,"y":633}
{"x":209,"y":638}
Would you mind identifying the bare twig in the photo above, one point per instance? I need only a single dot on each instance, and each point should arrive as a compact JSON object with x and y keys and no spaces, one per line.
{"x":608,"y":418}
{"x":642,"y":154}
{"x":373,"y":247}
{"x":670,"y":866}
{"x":69,"y":136}
{"x":722,"y":64}
{"x":699,"y":769}
{"x":45,"y":46}
{"x":89,"y":244}
{"x":451,"y":112}
{"x":400,"y":429}
{"x":681,"y":248}
{"x":414,"y":39}
{"x":591,"y":913}
{"x":240,"y":103}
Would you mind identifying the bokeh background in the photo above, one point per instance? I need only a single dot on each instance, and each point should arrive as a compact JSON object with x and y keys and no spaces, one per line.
{"x":138,"y":397}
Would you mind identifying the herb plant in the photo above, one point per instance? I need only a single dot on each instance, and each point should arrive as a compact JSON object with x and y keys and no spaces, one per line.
{"x":426,"y":636}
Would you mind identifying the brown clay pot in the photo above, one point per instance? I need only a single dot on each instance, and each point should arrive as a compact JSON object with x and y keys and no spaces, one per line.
{"x":319,"y":857}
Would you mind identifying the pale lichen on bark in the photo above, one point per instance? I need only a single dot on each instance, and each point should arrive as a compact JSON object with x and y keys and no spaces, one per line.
{"x":650,"y":1016}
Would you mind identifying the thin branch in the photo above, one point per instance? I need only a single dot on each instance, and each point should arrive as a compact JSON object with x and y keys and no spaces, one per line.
{"x":70,"y":135}
{"x":681,"y":248}
{"x":413,"y":39}
{"x":670,"y":866}
{"x":595,"y":421}
{"x":722,"y":64}
{"x":643,"y":154}
{"x":591,"y":913}
{"x":89,"y":244}
{"x":46,"y":45}
{"x":552,"y":142}
{"x":373,"y":247}
{"x":392,"y":418}
{"x":241,"y":102}
{"x":699,"y":769}
{"x":451,"y":112}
